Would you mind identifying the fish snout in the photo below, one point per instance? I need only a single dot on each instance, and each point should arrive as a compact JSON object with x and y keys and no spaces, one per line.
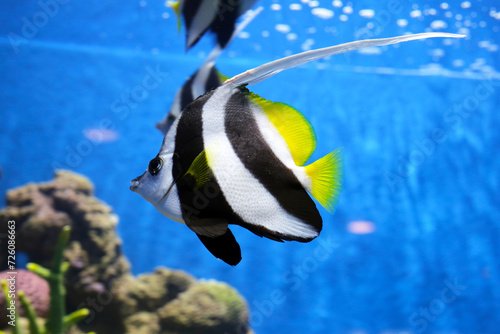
{"x":136,"y":182}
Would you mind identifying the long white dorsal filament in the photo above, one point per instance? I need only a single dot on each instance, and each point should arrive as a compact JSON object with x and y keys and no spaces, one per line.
{"x":265,"y":71}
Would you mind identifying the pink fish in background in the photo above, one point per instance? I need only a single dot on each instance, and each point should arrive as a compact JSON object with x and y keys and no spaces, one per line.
{"x":98,"y":135}
{"x":361,"y":227}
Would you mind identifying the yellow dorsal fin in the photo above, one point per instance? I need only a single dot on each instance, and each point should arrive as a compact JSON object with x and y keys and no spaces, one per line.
{"x":326,"y":175}
{"x":293,"y":126}
{"x":200,"y":170}
{"x":176,"y":6}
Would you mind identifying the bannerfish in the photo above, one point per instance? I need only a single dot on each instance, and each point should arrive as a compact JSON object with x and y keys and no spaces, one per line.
{"x":219,"y":16}
{"x":233,"y":157}
{"x":206,"y":78}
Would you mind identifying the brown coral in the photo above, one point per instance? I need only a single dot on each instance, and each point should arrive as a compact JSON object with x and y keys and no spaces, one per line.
{"x":208,"y":307}
{"x":40,"y":210}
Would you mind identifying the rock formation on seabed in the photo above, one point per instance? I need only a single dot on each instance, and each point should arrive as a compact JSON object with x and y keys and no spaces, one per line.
{"x":99,"y":278}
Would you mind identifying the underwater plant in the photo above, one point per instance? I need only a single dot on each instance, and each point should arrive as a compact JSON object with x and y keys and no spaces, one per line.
{"x":57,"y":322}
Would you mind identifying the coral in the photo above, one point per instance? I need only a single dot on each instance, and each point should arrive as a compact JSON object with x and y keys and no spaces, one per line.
{"x":217,"y":306}
{"x":41,"y":210}
{"x":94,"y":252}
{"x":143,"y":323}
{"x":34,"y":287}
{"x":98,"y":276}
{"x":149,"y":292}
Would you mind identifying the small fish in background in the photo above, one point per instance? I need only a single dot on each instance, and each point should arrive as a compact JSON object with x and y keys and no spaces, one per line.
{"x":233,"y":157}
{"x":361,"y":227}
{"x":206,"y":78}
{"x":219,"y":16}
{"x":101,"y":135}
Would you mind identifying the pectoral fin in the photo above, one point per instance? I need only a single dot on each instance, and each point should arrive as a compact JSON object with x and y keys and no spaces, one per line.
{"x":224,"y":247}
{"x":199,"y":170}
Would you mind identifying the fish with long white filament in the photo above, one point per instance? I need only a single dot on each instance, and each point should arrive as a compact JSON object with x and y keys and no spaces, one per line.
{"x":234,"y":158}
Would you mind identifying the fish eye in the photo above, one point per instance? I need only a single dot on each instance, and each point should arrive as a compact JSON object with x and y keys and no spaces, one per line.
{"x":155,"y":165}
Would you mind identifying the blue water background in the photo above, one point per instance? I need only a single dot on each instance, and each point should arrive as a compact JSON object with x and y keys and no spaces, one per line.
{"x":418,"y":122}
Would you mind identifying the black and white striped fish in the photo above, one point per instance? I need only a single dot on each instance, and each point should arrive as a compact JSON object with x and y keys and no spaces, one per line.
{"x":235,"y":158}
{"x":219,"y":16}
{"x":206,"y":78}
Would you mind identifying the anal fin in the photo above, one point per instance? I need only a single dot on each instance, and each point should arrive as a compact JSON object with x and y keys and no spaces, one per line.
{"x":224,"y":247}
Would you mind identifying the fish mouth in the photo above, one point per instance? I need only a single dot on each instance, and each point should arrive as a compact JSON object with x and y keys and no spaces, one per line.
{"x":135,"y":185}
{"x":136,"y":182}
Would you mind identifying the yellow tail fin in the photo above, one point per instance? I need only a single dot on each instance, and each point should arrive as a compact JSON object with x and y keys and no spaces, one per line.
{"x":326,"y":176}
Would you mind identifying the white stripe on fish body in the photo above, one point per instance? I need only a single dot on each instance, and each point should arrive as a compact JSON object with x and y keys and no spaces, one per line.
{"x":244,"y":193}
{"x":168,"y":144}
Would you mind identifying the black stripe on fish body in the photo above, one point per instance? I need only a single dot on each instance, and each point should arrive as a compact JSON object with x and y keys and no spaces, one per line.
{"x":205,"y":203}
{"x":206,"y":211}
{"x":251,"y":148}
{"x":208,"y":202}
{"x":188,"y":138}
{"x":213,"y":80}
